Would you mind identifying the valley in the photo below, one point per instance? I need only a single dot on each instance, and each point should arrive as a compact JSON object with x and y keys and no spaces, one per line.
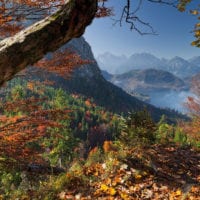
{"x":161,"y":82}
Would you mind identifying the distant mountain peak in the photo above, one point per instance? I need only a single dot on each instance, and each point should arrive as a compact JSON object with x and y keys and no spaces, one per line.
{"x":177,"y":65}
{"x":144,"y":54}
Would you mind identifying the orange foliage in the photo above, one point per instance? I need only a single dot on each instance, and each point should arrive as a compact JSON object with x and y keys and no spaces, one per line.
{"x":63,"y":62}
{"x":14,"y":14}
{"x":108,"y":146}
{"x":102,"y":10}
{"x":88,"y":103}
{"x":31,"y":85}
{"x":193,"y":104}
{"x":18,"y":131}
{"x":93,"y":151}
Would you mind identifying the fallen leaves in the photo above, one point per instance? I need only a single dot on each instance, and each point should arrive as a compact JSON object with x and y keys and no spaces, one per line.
{"x":133,"y":178}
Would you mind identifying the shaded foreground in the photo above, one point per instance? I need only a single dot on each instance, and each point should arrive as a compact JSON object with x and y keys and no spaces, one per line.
{"x":158,"y":172}
{"x":117,"y":172}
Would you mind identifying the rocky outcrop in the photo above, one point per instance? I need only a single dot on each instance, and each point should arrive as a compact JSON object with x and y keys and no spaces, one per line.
{"x":82,"y":48}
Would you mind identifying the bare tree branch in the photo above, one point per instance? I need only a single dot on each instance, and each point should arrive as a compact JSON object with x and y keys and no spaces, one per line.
{"x":130,"y":15}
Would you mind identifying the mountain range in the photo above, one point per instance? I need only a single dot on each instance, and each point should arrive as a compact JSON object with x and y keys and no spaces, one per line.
{"x":178,"y":66}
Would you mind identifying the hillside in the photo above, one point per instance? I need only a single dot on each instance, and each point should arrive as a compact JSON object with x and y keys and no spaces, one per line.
{"x":88,"y":81}
{"x":148,"y":80}
{"x":106,"y":75}
{"x":72,"y":149}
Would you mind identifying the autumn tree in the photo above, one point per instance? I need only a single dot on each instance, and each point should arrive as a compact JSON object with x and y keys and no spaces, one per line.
{"x":182,"y":6}
{"x":193,"y":104}
{"x":34,"y":121}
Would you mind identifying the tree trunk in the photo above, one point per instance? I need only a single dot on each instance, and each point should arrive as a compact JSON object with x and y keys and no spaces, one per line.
{"x":32,"y":43}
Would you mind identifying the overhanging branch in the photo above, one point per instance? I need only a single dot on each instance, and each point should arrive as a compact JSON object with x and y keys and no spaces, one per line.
{"x":32,"y":43}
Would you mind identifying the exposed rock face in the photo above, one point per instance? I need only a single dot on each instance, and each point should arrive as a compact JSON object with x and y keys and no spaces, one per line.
{"x":84,"y":50}
{"x":31,"y":44}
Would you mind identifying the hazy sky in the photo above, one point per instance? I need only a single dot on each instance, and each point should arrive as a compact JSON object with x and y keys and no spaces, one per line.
{"x":174,"y":29}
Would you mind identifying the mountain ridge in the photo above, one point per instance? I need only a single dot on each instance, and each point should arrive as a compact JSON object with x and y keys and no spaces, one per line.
{"x":178,"y":66}
{"x":151,"y":77}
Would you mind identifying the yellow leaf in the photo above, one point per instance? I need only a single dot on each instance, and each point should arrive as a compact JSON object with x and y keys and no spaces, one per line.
{"x":108,"y":181}
{"x":195,"y":43}
{"x":197,"y":25}
{"x":144,"y":173}
{"x":194,"y":12}
{"x":112,"y":191}
{"x":116,"y":180}
{"x":178,"y":192}
{"x":104,"y":187}
{"x":96,"y":173}
{"x":124,"y":196}
{"x":138,"y":176}
{"x":197,"y":33}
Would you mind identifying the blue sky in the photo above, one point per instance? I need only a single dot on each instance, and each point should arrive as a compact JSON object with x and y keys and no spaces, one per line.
{"x":173,"y":28}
